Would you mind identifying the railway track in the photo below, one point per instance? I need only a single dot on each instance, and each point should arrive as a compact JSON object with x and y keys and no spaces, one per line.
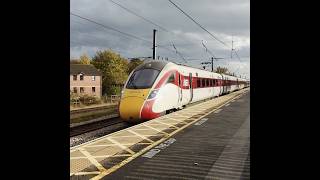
{"x":108,"y":122}
{"x":74,"y":131}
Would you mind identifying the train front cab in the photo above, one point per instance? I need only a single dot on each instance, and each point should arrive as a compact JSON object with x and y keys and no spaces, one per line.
{"x":135,"y":101}
{"x":136,"y":92}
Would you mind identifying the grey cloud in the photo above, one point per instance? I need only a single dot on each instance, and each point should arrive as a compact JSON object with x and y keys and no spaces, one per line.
{"x":221,"y":17}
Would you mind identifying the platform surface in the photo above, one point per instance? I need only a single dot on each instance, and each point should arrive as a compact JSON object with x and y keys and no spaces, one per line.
{"x":206,"y":141}
{"x":217,"y":148}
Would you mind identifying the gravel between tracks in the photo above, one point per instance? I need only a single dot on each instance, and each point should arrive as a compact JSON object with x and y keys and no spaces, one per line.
{"x":76,"y":140}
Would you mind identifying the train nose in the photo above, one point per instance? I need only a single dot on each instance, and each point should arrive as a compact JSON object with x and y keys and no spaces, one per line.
{"x":130,"y":108}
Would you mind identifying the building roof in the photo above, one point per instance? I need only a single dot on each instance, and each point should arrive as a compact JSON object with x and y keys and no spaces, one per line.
{"x":85,"y":69}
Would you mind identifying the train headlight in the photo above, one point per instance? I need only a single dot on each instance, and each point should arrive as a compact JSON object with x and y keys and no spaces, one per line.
{"x":153,"y":94}
{"x":121,"y":94}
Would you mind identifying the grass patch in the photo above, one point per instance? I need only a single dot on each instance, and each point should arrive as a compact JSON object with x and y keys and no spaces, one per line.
{"x":80,"y":117}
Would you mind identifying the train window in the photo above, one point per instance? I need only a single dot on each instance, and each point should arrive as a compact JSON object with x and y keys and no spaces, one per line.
{"x":171,"y":78}
{"x":203,"y":82}
{"x":142,"y":79}
{"x":207,"y":82}
{"x":198,"y":82}
{"x":212,"y":82}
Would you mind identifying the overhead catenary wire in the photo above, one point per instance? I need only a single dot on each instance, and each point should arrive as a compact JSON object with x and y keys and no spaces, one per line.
{"x":145,"y":19}
{"x":114,"y":29}
{"x":198,"y":24}
{"x":138,"y":38}
{"x":110,"y":28}
{"x":153,"y":23}
{"x":191,"y":18}
{"x":207,"y":50}
{"x":179,"y":53}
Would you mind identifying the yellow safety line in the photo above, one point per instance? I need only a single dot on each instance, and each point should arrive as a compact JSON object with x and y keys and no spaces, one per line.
{"x":120,"y":145}
{"x":141,"y":136}
{"x":167,"y":124}
{"x":117,"y":155}
{"x":81,"y":157}
{"x":91,"y":159}
{"x":106,"y":145}
{"x":146,"y":143}
{"x":156,"y":129}
{"x":142,"y":129}
{"x":84,"y":173}
{"x":180,"y":121}
{"x":122,"y":136}
{"x":183,"y":115}
{"x":104,"y":173}
{"x":134,"y":155}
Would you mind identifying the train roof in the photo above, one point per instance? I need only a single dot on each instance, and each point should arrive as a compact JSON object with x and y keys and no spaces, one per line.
{"x":154,"y":64}
{"x":160,"y":64}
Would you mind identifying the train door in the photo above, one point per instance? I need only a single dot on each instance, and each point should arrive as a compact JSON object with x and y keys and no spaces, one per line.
{"x":219,"y":86}
{"x":222,"y":84}
{"x":238,"y":85}
{"x":180,"y":90}
{"x":190,"y":87}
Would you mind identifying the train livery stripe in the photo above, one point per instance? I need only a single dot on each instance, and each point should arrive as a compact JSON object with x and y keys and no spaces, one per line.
{"x":147,"y":113}
{"x":204,"y":82}
{"x":164,"y":79}
{"x":132,"y":103}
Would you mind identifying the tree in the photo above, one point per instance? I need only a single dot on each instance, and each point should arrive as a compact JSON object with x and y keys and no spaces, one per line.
{"x":221,"y":70}
{"x":133,"y":64}
{"x":113,"y":68}
{"x":84,"y":59}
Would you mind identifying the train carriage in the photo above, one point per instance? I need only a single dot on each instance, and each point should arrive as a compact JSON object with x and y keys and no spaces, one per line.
{"x":156,"y":87}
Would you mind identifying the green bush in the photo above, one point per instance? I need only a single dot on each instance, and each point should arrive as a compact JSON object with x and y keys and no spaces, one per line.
{"x":73,"y":97}
{"x":88,"y":100}
{"x":114,"y":90}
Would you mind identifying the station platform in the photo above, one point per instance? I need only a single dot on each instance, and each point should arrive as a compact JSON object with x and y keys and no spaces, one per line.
{"x":210,"y":140}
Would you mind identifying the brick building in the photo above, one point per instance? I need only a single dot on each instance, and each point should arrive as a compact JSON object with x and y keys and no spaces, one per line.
{"x":85,"y":79}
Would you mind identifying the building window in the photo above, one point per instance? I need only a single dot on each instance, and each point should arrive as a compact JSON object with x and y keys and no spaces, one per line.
{"x":74,"y":77}
{"x":75,"y":90}
{"x":81,"y":89}
{"x":81,"y":77}
{"x":93,"y":89}
{"x":207,"y":82}
{"x":93,"y":78}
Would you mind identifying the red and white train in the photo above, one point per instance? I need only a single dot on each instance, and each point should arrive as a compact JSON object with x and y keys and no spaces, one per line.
{"x":157,"y":87}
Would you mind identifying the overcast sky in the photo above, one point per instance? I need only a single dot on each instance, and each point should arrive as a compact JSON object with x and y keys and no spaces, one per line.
{"x":223,"y":18}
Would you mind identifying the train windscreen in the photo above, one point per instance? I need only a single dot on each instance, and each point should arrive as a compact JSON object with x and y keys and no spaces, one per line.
{"x":142,"y":79}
